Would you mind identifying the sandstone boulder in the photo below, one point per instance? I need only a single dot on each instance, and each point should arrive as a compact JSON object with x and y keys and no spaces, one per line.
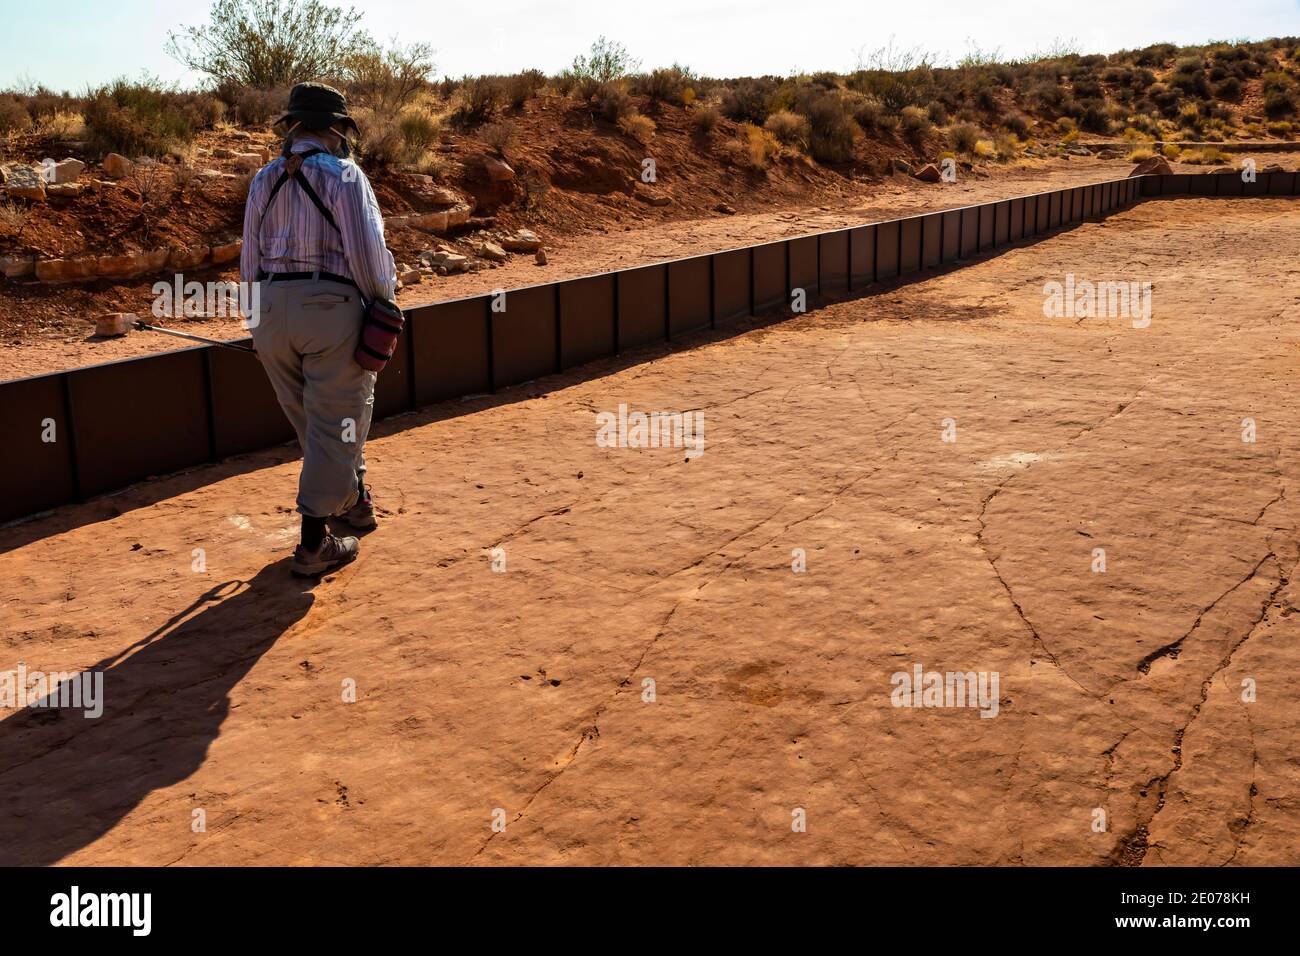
{"x":17,"y":267}
{"x":227,"y":252}
{"x":497,"y":170}
{"x":65,"y":171}
{"x":522,"y":240}
{"x":117,"y":165}
{"x":65,"y":270}
{"x":490,"y":250}
{"x":130,"y":264}
{"x":929,"y":173}
{"x":22,"y":182}
{"x":1155,"y":165}
{"x":114,"y":324}
{"x":180,"y":259}
{"x":64,"y":190}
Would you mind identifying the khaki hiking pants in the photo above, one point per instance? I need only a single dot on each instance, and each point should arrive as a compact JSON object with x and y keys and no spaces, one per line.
{"x":305,"y":335}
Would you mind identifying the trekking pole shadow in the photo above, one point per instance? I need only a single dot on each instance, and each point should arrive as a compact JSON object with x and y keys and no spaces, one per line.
{"x":66,"y":780}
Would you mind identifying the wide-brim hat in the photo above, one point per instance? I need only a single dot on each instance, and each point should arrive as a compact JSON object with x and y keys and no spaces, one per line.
{"x":317,"y":106}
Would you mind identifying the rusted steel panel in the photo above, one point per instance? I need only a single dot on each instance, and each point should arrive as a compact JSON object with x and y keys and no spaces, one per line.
{"x":38,"y":472}
{"x":642,"y":306}
{"x":587,"y":319}
{"x":140,"y":417}
{"x":770,"y":277}
{"x":833,"y":261}
{"x":969,"y":231}
{"x":887,"y":235}
{"x":951,"y":235}
{"x":862,"y":256}
{"x":451,"y":349}
{"x":931,"y":239}
{"x":689,"y":307}
{"x":732,"y":286}
{"x":246,"y":415}
{"x":803,"y":266}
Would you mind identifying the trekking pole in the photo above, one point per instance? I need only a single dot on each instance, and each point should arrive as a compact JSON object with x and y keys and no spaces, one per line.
{"x":193,"y":338}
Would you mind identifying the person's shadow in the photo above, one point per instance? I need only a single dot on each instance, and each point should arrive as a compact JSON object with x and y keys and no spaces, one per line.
{"x":66,"y":780}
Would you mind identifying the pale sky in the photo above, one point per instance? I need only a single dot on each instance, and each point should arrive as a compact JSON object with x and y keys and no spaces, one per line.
{"x":73,"y":43}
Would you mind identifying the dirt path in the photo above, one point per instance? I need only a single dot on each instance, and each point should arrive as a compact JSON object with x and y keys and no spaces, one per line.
{"x":598,"y":251}
{"x":524,"y":693}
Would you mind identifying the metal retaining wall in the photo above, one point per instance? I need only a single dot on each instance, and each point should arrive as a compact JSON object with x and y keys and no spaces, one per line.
{"x":120,"y":422}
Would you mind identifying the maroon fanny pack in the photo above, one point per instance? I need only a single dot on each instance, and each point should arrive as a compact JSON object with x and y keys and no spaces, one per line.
{"x":381,"y":324}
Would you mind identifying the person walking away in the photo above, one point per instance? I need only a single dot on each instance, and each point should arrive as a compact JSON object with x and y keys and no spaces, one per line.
{"x":314,"y":240}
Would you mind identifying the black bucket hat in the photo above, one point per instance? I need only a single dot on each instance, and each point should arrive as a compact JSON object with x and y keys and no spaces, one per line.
{"x":317,"y":106}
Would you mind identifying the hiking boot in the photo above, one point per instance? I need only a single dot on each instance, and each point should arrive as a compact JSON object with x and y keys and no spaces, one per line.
{"x":333,"y":552}
{"x":362,"y":514}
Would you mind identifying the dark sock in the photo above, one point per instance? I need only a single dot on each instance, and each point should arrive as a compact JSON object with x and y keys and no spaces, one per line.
{"x":313,"y":532}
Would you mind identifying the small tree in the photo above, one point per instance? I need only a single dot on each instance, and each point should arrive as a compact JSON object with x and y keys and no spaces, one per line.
{"x":607,"y":60}
{"x":386,"y":80}
{"x":270,"y":43}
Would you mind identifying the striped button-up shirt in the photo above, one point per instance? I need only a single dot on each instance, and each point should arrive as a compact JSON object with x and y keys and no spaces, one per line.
{"x":293,"y":236}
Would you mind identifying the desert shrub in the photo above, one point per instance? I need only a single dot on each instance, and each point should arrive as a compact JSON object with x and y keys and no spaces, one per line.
{"x":1279,"y":128}
{"x":747,"y":100}
{"x":13,"y":217}
{"x":419,"y":129}
{"x":985,"y":149}
{"x":986,"y":99}
{"x":666,"y":84}
{"x":1164,"y":98}
{"x":789,"y":128}
{"x":867,"y":111}
{"x":706,"y":119}
{"x":64,"y":125}
{"x":1279,"y":103}
{"x":521,"y":87}
{"x":1047,"y":96}
{"x":915,"y":123}
{"x":640,"y":128}
{"x":1171,"y":150}
{"x":612,"y":101}
{"x":143,"y":119}
{"x":387,"y":80}
{"x":832,"y":131}
{"x":1017,"y":124}
{"x":1206,"y":156}
{"x":13,"y":114}
{"x":605,"y":62}
{"x":760,"y":146}
{"x":1007,"y":146}
{"x":1228,"y":89}
{"x":963,"y":137}
{"x":1071,"y":137}
{"x":479,"y":97}
{"x":938,"y":114}
{"x":380,"y":143}
{"x":1140,"y":153}
{"x":1093,"y":119}
{"x":270,"y":43}
{"x":499,"y":136}
{"x":1088,"y":89}
{"x":253,"y":106}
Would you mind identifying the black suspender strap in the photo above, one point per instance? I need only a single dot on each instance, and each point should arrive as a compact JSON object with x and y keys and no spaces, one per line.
{"x":293,"y":167}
